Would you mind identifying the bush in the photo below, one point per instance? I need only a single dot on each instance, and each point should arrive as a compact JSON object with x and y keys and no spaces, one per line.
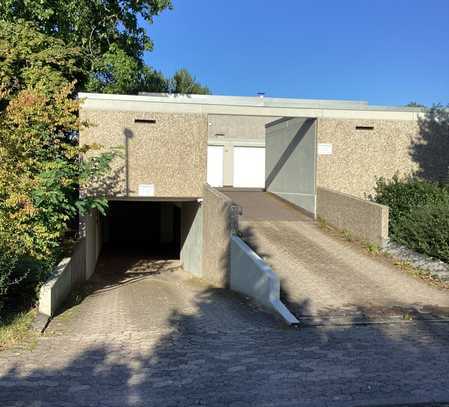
{"x":41,"y":170}
{"x":426,"y":230}
{"x":419,"y":214}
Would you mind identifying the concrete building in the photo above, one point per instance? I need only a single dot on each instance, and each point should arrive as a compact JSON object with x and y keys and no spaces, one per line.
{"x":166,"y":139}
{"x":320,"y":155}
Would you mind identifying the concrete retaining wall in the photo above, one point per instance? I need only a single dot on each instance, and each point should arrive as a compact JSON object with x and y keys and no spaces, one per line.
{"x":192,"y":238}
{"x":68,"y":274}
{"x":220,"y":221}
{"x":73,"y":271}
{"x":365,"y":220}
{"x":78,"y":263}
{"x":90,"y":229}
{"x":251,"y":276}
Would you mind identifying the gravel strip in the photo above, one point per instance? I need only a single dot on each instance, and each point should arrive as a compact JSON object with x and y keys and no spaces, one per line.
{"x":420,"y":261}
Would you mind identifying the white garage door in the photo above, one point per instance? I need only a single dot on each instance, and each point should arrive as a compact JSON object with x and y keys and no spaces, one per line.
{"x":215,"y":166}
{"x":249,"y":167}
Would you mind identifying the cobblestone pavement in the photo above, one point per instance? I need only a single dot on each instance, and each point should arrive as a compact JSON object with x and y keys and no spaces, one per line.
{"x":154,"y":336}
{"x":327,"y":278}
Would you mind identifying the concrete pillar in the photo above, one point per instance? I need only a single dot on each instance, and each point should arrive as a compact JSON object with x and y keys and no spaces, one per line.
{"x":228,"y":164}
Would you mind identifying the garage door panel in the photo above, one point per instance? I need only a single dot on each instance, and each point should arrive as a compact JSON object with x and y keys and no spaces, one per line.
{"x":249,"y":167}
{"x":215,"y":165}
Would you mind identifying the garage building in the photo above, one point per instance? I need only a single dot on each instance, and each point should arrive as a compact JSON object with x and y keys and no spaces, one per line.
{"x":173,"y":145}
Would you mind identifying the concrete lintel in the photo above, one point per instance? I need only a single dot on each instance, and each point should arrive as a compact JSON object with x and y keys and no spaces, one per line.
{"x":275,"y":108}
{"x":236,"y":142}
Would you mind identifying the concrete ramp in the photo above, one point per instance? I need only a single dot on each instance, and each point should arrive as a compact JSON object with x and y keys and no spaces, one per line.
{"x":133,"y":292}
{"x":327,"y":279}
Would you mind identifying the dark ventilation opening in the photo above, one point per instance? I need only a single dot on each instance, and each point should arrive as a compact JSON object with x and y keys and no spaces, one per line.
{"x":150,"y":228}
{"x":150,"y":121}
{"x":364,"y":127}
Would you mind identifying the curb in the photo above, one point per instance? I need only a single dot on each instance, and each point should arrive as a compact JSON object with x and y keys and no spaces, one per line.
{"x":40,"y":323}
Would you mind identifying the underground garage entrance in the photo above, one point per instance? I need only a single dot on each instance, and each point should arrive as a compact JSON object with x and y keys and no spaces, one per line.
{"x":137,"y":237}
{"x":150,"y":228}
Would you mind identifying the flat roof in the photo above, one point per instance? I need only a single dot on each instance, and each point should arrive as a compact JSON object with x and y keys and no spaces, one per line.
{"x":246,"y":105}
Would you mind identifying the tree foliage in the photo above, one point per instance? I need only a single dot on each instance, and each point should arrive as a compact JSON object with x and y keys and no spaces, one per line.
{"x":40,"y":165}
{"x":183,"y":82}
{"x":117,"y":72}
{"x":30,"y":59}
{"x":110,"y":39}
{"x":92,"y":25}
{"x":414,"y":104}
{"x":431,"y":149}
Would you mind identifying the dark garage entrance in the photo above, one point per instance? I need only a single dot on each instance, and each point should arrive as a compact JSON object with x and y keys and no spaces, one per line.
{"x":137,"y":239}
{"x":152,"y":228}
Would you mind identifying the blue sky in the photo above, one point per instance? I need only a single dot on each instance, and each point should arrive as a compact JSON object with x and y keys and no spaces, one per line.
{"x":384,"y":51}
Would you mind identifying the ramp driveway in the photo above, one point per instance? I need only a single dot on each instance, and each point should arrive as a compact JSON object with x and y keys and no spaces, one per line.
{"x":325,"y":278}
{"x":147,"y":334}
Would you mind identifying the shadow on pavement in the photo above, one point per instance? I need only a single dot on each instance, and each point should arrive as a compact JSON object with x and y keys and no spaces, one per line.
{"x":192,"y":364}
{"x":220,"y":353}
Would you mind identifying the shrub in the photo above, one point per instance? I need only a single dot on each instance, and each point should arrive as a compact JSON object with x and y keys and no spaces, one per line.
{"x":426,"y":230}
{"x":41,"y":169}
{"x":419,"y":214}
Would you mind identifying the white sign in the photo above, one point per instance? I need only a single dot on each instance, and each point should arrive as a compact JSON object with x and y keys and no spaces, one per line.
{"x":324,"y":149}
{"x":146,"y":189}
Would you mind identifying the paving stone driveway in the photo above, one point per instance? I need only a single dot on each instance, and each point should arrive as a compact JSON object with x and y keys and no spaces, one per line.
{"x":325,"y":278}
{"x":149,"y":335}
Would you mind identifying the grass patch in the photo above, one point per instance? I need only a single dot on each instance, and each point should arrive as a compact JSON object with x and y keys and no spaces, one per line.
{"x":15,"y":329}
{"x":322,"y":223}
{"x":372,"y":248}
{"x":347,"y":235}
{"x":425,"y":275}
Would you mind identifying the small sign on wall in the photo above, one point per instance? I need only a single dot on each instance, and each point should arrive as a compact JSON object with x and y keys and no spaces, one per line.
{"x":324,"y":149}
{"x":146,"y":189}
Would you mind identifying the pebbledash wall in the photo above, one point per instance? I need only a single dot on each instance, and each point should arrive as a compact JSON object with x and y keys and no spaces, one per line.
{"x":171,"y":152}
{"x":363,"y":150}
{"x":164,"y":141}
{"x":165,"y":150}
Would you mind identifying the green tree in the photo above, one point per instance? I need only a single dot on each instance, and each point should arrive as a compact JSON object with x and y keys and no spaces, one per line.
{"x":110,"y":39}
{"x":414,"y":104}
{"x":40,"y":165}
{"x":431,"y":149}
{"x":183,"y":82}
{"x":117,"y":72}
{"x":92,"y":25}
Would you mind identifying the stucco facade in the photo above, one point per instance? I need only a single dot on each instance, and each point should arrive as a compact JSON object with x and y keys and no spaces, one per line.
{"x":235,"y":128}
{"x":165,"y":150}
{"x":379,"y":148}
{"x":165,"y":139}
